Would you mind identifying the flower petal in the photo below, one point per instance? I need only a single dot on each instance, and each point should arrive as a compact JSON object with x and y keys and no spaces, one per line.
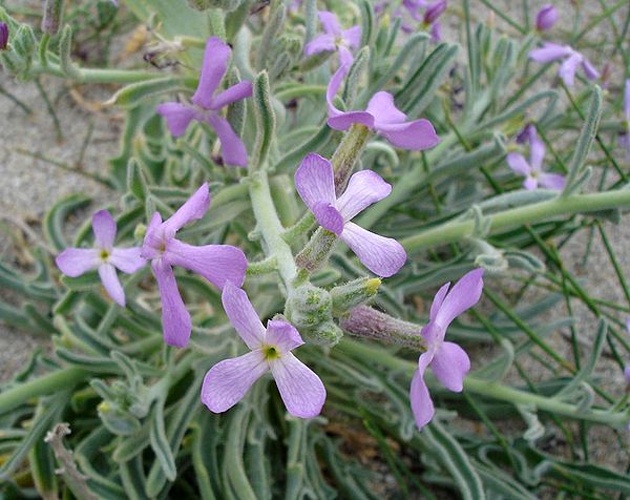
{"x":112,"y":284}
{"x":242,"y":315}
{"x":215,"y":62}
{"x":569,"y":67}
{"x":464,"y":294}
{"x":300,"y":388}
{"x":626,"y":101}
{"x":450,"y":365}
{"x":352,"y":36}
{"x":194,"y":208}
{"x":236,"y":92}
{"x":216,"y":263}
{"x":74,"y":262}
{"x":383,"y":256}
{"x":344,"y":120}
{"x":589,"y":70}
{"x":153,"y":238}
{"x":329,"y":22}
{"x":419,"y":397}
{"x":382,"y":107}
{"x":530,"y":183}
{"x":550,"y":52}
{"x":328,"y":217}
{"x":518,"y":164}
{"x":416,"y":135}
{"x":364,"y":188}
{"x":315,"y":182}
{"x":283,"y":334}
{"x":536,"y":150}
{"x":128,"y":260}
{"x":232,"y":148}
{"x":178,"y":116}
{"x":552,"y":181}
{"x":333,"y":88}
{"x":321,"y":43}
{"x":438,"y":300}
{"x":227,"y":382}
{"x":176,"y":321}
{"x":104,"y":227}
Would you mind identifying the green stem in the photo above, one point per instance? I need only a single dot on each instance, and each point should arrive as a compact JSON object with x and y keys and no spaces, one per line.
{"x":93,"y":75}
{"x":19,"y":394}
{"x":457,"y":231}
{"x":347,"y":154}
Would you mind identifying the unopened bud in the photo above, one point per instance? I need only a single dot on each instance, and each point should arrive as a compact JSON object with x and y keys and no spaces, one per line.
{"x":435,"y":10}
{"x":354,"y":293}
{"x":309,"y":309}
{"x":4,"y":36}
{"x":51,"y":21}
{"x":547,"y":16}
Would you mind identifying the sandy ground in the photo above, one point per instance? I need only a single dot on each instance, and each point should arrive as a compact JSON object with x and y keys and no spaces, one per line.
{"x":32,"y":180}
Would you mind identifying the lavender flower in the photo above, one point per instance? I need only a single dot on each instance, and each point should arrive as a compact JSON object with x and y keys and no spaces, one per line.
{"x":547,"y":16}
{"x":4,"y":36}
{"x":572,"y":59}
{"x":624,"y":139}
{"x":227,"y":382}
{"x":104,"y":257}
{"x":534,"y":176}
{"x":382,"y":116}
{"x":449,"y":362}
{"x":334,"y":38}
{"x":216,"y":263}
{"x":314,"y":180}
{"x":206,"y":106}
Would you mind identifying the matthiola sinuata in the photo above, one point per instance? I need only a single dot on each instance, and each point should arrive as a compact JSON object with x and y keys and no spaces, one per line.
{"x":217,"y":263}
{"x":334,"y":38}
{"x":571,"y":61}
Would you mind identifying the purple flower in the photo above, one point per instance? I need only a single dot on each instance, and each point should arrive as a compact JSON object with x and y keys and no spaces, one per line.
{"x":227,"y":382}
{"x":206,"y":106}
{"x":334,"y":38}
{"x":103,"y":257}
{"x":572,"y":59}
{"x":624,"y":139}
{"x":534,"y":176}
{"x":383,"y":117}
{"x":4,"y":36}
{"x":449,"y":362}
{"x":547,"y":16}
{"x":314,"y":180}
{"x":216,"y":263}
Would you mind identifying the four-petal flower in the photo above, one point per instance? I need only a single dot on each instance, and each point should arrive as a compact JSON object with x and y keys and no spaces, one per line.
{"x":103,"y":257}
{"x":334,"y":38}
{"x":449,"y":362}
{"x":314,"y":181}
{"x":206,"y":106}
{"x":382,"y":116}
{"x":217,"y":263}
{"x":571,"y":60}
{"x":228,"y":381}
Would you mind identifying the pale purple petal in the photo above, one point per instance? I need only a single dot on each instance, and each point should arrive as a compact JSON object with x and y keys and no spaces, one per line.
{"x":216,"y":263}
{"x":550,"y":52}
{"x":128,"y":260}
{"x":345,"y":56}
{"x":415,"y":135}
{"x":626,"y":101}
{"x":518,"y":164}
{"x":104,"y":227}
{"x":552,"y":181}
{"x":194,"y":208}
{"x":434,"y":10}
{"x":436,"y":32}
{"x":112,"y":284}
{"x":383,"y":256}
{"x":242,"y":315}
{"x":178,"y":116}
{"x":74,"y":262}
{"x":314,"y":181}
{"x":236,"y":92}
{"x":232,"y":148}
{"x":321,"y":43}
{"x":333,"y":88}
{"x":464,"y":294}
{"x":282,"y":334}
{"x":589,"y":70}
{"x":382,"y":107}
{"x":530,"y":183}
{"x":154,"y":238}
{"x":227,"y":382}
{"x":450,"y":365}
{"x":329,"y":22}
{"x":569,"y":67}
{"x":215,"y":62}
{"x":344,"y":120}
{"x":176,"y":321}
{"x":438,"y":300}
{"x":328,"y":217}
{"x":352,"y":36}
{"x":421,"y":402}
{"x":547,"y":16}
{"x":536,"y":150}
{"x":301,"y":390}
{"x":364,"y":188}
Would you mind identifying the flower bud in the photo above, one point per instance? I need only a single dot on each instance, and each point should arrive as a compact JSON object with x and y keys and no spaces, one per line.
{"x":309,"y":309}
{"x":352,"y":294}
{"x":4,"y":36}
{"x":52,"y":16}
{"x":435,"y":10}
{"x":547,"y":16}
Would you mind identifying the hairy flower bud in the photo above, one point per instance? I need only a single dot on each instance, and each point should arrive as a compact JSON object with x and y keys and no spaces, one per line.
{"x":309,"y":309}
{"x":4,"y":36}
{"x":353,"y":293}
{"x":547,"y":16}
{"x":51,"y":21}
